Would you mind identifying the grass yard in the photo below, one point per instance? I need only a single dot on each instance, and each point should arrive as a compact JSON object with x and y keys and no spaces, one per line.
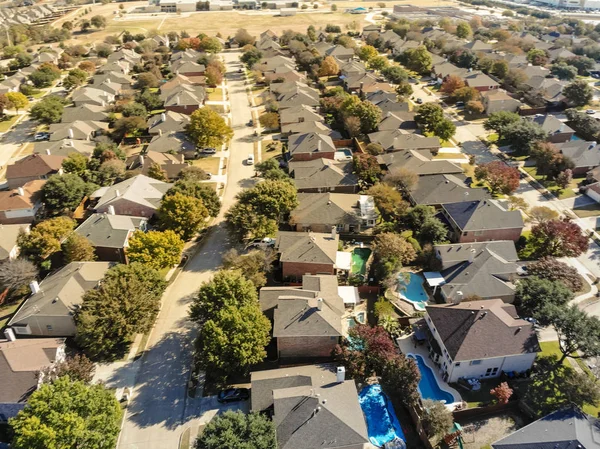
{"x":590,"y":210}
{"x":9,"y":120}
{"x":215,"y":94}
{"x":217,"y":108}
{"x":270,"y":152}
{"x":561,"y":194}
{"x":6,"y":312}
{"x":208,"y":164}
{"x":478,"y":398}
{"x":212,"y":185}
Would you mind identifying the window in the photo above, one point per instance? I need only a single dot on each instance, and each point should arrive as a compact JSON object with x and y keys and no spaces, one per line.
{"x":465,"y":233}
{"x":475,"y":362}
{"x":457,"y":364}
{"x":488,"y":372}
{"x":49,"y":328}
{"x":494,"y":371}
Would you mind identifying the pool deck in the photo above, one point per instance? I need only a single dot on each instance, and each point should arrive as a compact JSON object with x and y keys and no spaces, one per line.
{"x":407,"y":346}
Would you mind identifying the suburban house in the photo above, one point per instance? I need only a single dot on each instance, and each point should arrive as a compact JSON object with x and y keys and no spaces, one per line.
{"x":77,"y":130}
{"x":323,"y":175}
{"x":398,"y":140}
{"x":398,"y":120}
{"x":20,"y":361}
{"x":65,"y":147}
{"x":585,"y":155}
{"x":307,"y":321}
{"x":184,"y":99}
{"x":557,"y":131}
{"x":312,"y":406}
{"x":419,"y":163}
{"x":109,"y":234}
{"x":167,"y":122}
{"x":319,"y":212}
{"x":480,"y":339}
{"x":31,"y":168}
{"x":299,"y":114}
{"x":187,"y":68}
{"x":306,"y":253}
{"x":139,"y":196}
{"x":48,"y":312}
{"x":564,"y":428}
{"x":480,"y":81}
{"x":8,"y":240}
{"x":481,"y":221}
{"x":174,"y":143}
{"x":170,"y":164}
{"x":92,"y":95}
{"x":498,"y":100}
{"x":84,"y":112}
{"x":435,"y":190}
{"x":488,"y":270}
{"x":309,"y":146}
{"x":21,"y":205}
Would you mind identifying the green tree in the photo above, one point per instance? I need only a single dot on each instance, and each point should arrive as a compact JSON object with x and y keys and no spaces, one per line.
{"x":147,"y":80}
{"x":269,"y":120}
{"x":236,"y":430}
{"x":395,"y":75}
{"x":418,"y":60}
{"x":208,"y":129}
{"x":65,"y":192}
{"x":210,"y":45}
{"x":126,"y":303}
{"x":155,"y":249}
{"x":522,"y":135}
{"x":75,"y":163}
{"x":68,"y":413}
{"x":388,"y":200}
{"x":48,"y":110}
{"x":444,"y":129}
{"x":428,"y":116}
{"x":45,"y":238}
{"x":203,"y":192}
{"x":255,"y":265}
{"x":537,"y":56}
{"x":155,"y":171}
{"x":463,"y":30}
{"x":78,"y":248}
{"x":579,"y":93}
{"x":251,"y":57}
{"x":438,"y":419}
{"x":563,"y":71}
{"x":193,"y":173}
{"x":183,"y":214}
{"x":134,"y":109}
{"x":498,"y":121}
{"x":578,"y":332}
{"x":534,"y":295}
{"x":392,"y":251}
{"x":422,"y":221}
{"x":366,"y":168}
{"x":554,"y":270}
{"x":17,"y":100}
{"x":149,"y":99}
{"x":129,"y":126}
{"x":77,"y":367}
{"x":500,"y":69}
{"x":367,"y":52}
{"x":45,"y":75}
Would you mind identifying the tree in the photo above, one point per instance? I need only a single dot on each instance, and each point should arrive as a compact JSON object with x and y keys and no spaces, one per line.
{"x":149,"y":99}
{"x":554,"y":270}
{"x":388,"y":200}
{"x":537,"y":56}
{"x":210,"y":45}
{"x":78,"y":368}
{"x":329,"y":67}
{"x":75,"y":163}
{"x":582,"y":64}
{"x":48,"y":110}
{"x":558,"y":238}
{"x":134,"y":109}
{"x":242,"y":37}
{"x":208,"y":129}
{"x":549,"y":160}
{"x":466,"y":94}
{"x":563,"y":71}
{"x":269,"y":120}
{"x":500,"y":177}
{"x":578,"y":332}
{"x":125,"y":303}
{"x":418,"y":60}
{"x":564,"y":178}
{"x":502,"y":392}
{"x":147,"y":80}
{"x":517,"y":203}
{"x":540,"y":214}
{"x":255,"y":265}
{"x":193,"y":173}
{"x":366,"y":168}
{"x":251,"y":57}
{"x":129,"y":126}
{"x":203,"y":192}
{"x":155,"y":171}
{"x":579,"y":93}
{"x":77,"y":248}
{"x":392,"y":252}
{"x":400,"y":378}
{"x":379,"y":63}
{"x":45,"y":238}
{"x":4,"y":103}
{"x":428,"y":116}
{"x":444,"y":129}
{"x":367,"y":52}
{"x":183,"y":214}
{"x":68,"y":413}
{"x":522,"y":135}
{"x":352,"y":125}
{"x":437,"y":419}
{"x":236,"y":430}
{"x":21,"y":60}
{"x":374,"y":149}
{"x":87,"y":66}
{"x":213,"y":76}
{"x":395,"y":74}
{"x":451,"y":84}
{"x":425,"y":226}
{"x":500,"y":69}
{"x":98,"y":21}
{"x":498,"y":121}
{"x":463,"y":30}
{"x":65,"y":192}
{"x":404,"y":90}
{"x":45,"y":75}
{"x":403,"y":178}
{"x":17,"y":100}
{"x":155,"y":249}
{"x":474,"y":107}
{"x":15,"y":274}
{"x":534,"y":295}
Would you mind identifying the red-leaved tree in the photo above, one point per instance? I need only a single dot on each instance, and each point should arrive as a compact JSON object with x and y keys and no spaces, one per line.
{"x":502,"y":392}
{"x":500,"y":177}
{"x":558,"y":238}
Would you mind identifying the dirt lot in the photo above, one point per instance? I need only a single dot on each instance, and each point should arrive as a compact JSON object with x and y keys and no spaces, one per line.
{"x":479,"y":433}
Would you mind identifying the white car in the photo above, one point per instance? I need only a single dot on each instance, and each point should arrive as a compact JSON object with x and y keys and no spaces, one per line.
{"x":250,"y":160}
{"x":590,"y":112}
{"x":267,"y":242}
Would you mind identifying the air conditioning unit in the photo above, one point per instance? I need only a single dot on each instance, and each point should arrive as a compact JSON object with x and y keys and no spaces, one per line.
{"x":22,"y":330}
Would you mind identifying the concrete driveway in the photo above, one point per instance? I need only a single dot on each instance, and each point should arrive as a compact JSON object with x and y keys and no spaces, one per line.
{"x":577,"y":201}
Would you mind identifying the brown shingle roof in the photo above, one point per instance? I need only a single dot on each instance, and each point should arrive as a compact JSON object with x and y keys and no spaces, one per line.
{"x":34,"y":165}
{"x":11,"y":200}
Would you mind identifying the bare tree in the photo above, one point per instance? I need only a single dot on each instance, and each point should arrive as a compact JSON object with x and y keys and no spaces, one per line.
{"x":15,"y":274}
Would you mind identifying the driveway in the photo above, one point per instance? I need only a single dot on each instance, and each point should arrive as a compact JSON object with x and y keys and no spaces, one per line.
{"x":159,"y":409}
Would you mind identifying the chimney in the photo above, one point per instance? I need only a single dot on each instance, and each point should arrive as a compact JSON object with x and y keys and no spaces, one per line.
{"x":111,"y":210}
{"x":34,"y":287}
{"x":160,"y":132}
{"x":472,"y":252}
{"x":20,"y":191}
{"x":117,"y":193}
{"x":9,"y":334}
{"x":360,"y":90}
{"x":320,"y":304}
{"x":319,"y":145}
{"x":48,"y":151}
{"x":333,"y":232}
{"x":163,"y":117}
{"x":341,"y":374}
{"x":141,"y":160}
{"x":395,"y":142}
{"x":70,"y":133}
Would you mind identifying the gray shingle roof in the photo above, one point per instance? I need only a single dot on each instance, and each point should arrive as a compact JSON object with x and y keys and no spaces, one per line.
{"x":109,"y":231}
{"x":322,"y":173}
{"x":327,"y":208}
{"x":552,"y":125}
{"x":310,"y":143}
{"x":482,"y":329}
{"x":397,"y":140}
{"x":440,"y":189}
{"x":139,"y":189}
{"x":581,"y":152}
{"x":483,"y":215}
{"x":418,"y":162}
{"x":307,"y":247}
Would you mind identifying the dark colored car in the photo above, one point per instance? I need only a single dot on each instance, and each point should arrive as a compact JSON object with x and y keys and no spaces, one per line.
{"x":233,"y":395}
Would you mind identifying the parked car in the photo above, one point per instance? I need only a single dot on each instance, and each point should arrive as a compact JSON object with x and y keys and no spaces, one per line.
{"x":41,"y":136}
{"x":460,"y":104}
{"x":250,"y":123}
{"x":419,"y":101}
{"x":267,"y":242}
{"x":590,"y":111}
{"x":208,"y":151}
{"x":250,"y":160}
{"x":432,"y":83}
{"x":233,"y":395}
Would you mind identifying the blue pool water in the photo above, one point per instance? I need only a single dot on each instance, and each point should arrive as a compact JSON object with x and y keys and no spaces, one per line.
{"x":382,"y":424}
{"x":428,"y":385}
{"x":414,"y":292}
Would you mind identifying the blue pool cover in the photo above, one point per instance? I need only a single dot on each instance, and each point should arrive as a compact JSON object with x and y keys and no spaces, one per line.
{"x":382,"y":424}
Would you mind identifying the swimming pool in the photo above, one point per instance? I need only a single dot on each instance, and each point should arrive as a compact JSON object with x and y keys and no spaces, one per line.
{"x":382,"y":424}
{"x":428,"y":385}
{"x":343,"y":155}
{"x":359,"y":260}
{"x":414,"y":292}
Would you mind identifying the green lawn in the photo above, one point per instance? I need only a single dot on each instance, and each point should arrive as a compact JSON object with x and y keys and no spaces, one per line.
{"x":215,"y":94}
{"x":561,"y":194}
{"x":6,"y":312}
{"x":7,"y":122}
{"x":591,"y":210}
{"x":478,"y":398}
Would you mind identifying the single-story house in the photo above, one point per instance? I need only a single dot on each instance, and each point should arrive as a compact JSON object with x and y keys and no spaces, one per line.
{"x":585,"y":155}
{"x":558,"y":131}
{"x":170,"y":164}
{"x":480,"y":339}
{"x":435,"y":190}
{"x":84,"y":112}
{"x":418,"y":162}
{"x":48,"y":311}
{"x":20,"y":206}
{"x":323,"y":175}
{"x":319,"y":212}
{"x":65,"y":147}
{"x":77,"y":130}
{"x":310,"y":146}
{"x":31,"y":168}
{"x":299,"y":114}
{"x":398,"y":120}
{"x":306,"y":253}
{"x":398,"y":140}
{"x":167,"y":122}
{"x":174,"y":143}
{"x":482,"y":220}
{"x":480,"y":81}
{"x":498,"y":100}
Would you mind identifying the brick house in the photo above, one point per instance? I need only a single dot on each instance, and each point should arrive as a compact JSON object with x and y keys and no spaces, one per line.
{"x":481,"y":221}
{"x":306,"y":253}
{"x":21,"y":205}
{"x":498,"y":100}
{"x":310,"y":146}
{"x":480,"y":81}
{"x":323,"y":175}
{"x":585,"y":155}
{"x":31,"y":168}
{"x":558,"y":132}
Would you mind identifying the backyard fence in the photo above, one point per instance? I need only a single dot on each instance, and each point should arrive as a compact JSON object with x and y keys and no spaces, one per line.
{"x":477,"y":412}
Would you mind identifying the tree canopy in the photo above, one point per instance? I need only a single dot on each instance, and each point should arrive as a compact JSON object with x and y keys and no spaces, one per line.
{"x":236,"y":430}
{"x":45,"y":238}
{"x":64,"y":192}
{"x":558,"y":238}
{"x":156,"y":249}
{"x":185,"y":215}
{"x":203,"y":192}
{"x":48,"y":110}
{"x":77,"y":248}
{"x":208,"y":129}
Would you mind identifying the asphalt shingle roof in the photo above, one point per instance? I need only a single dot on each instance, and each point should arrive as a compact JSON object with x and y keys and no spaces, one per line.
{"x":483,"y":215}
{"x":307,"y":247}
